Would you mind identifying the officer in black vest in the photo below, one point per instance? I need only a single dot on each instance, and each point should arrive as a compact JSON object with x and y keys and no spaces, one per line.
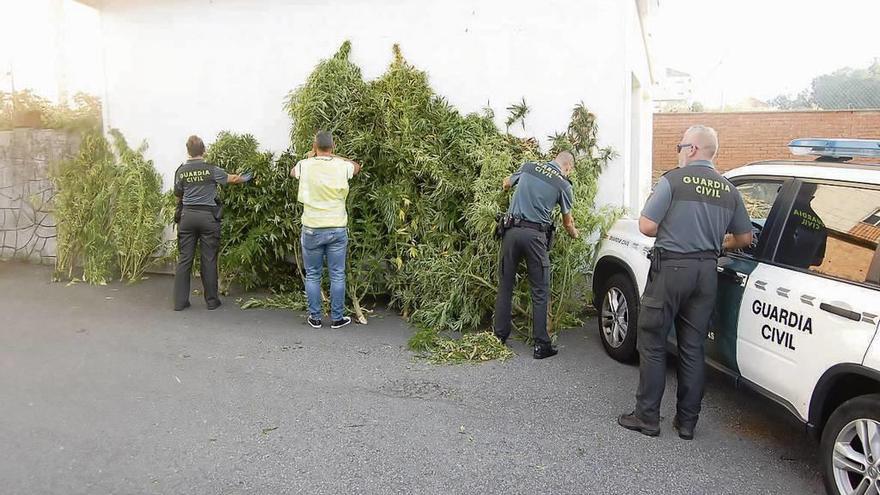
{"x":690,"y":211}
{"x":805,"y":237}
{"x":527,"y":231}
{"x":198,"y":218}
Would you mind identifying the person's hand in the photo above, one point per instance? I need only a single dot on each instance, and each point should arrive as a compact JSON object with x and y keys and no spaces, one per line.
{"x":310,"y":154}
{"x":246,"y":176}
{"x":727,"y":242}
{"x":574,"y":233}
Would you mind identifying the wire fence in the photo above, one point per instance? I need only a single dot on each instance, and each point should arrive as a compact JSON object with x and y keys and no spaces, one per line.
{"x":844,"y":89}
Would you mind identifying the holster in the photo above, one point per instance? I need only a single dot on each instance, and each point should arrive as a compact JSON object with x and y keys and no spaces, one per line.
{"x":178,"y":211}
{"x":654,"y":255}
{"x":218,"y":210}
{"x":503,"y":222}
{"x":551,"y":235}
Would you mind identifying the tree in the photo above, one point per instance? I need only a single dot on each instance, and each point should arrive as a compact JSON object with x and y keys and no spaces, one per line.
{"x":849,"y":88}
{"x":22,"y":103}
{"x":842,"y":89}
{"x":34,"y":110}
{"x":803,"y":101}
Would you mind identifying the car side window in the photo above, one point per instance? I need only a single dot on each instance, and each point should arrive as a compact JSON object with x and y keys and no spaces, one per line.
{"x":758,"y":196}
{"x":830,"y":231}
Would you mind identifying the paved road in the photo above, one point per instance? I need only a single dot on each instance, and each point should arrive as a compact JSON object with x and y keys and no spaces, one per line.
{"x":106,"y":390}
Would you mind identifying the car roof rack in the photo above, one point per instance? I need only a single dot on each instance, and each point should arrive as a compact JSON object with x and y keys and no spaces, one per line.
{"x":835,"y":150}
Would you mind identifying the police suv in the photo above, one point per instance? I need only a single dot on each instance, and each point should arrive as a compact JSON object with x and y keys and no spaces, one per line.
{"x":797,"y":312}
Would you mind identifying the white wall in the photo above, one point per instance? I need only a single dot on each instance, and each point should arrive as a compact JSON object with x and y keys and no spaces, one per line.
{"x":175,"y":68}
{"x":627,"y":181}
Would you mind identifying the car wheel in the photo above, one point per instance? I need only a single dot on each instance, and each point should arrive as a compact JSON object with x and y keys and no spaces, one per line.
{"x":850,"y":447}
{"x":618,"y":318}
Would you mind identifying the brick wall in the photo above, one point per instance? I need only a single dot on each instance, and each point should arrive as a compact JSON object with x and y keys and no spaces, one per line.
{"x":751,"y":136}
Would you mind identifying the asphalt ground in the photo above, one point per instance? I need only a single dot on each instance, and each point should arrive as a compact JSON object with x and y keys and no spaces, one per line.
{"x":105,"y":390}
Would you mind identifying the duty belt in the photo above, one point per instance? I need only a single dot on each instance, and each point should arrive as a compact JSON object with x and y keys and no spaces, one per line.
{"x":698,"y":255}
{"x":541,"y":227}
{"x":656,"y":255}
{"x":199,"y":207}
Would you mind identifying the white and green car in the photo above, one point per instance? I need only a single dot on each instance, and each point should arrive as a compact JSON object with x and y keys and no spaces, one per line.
{"x":797,"y":312}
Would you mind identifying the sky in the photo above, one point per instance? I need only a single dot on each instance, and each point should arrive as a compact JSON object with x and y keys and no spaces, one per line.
{"x":760,"y":48}
{"x":28,"y":45}
{"x":733,"y":48}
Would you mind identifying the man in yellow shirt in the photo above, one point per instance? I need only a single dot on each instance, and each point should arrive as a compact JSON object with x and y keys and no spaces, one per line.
{"x":323,"y":188}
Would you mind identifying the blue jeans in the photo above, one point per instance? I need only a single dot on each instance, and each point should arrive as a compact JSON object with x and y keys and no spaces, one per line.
{"x":318,"y":243}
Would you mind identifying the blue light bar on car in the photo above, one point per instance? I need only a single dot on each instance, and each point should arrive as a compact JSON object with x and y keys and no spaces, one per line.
{"x":836,"y":148}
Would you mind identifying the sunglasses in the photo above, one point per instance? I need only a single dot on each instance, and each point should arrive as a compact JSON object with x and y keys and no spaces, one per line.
{"x":679,"y":147}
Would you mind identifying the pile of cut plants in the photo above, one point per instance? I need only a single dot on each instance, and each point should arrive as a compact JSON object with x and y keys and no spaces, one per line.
{"x":422,"y":211}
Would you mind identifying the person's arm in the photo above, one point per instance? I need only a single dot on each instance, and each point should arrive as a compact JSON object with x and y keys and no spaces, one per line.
{"x":178,"y":193}
{"x":178,"y":185}
{"x":568,"y":225}
{"x":566,"y":203}
{"x":356,"y":165}
{"x":655,"y":208}
{"x":221,"y":177}
{"x":648,"y":227}
{"x":740,"y":228}
{"x":736,"y":241}
{"x":511,"y":180}
{"x":234,"y":179}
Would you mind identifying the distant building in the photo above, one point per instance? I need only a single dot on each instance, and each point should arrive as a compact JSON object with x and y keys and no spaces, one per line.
{"x":674,"y":91}
{"x":749,"y":104}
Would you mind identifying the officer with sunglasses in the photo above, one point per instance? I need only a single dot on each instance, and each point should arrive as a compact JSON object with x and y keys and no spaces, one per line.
{"x":689,"y":213}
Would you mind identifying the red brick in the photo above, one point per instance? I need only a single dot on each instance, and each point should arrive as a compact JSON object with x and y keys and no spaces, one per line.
{"x":751,"y":136}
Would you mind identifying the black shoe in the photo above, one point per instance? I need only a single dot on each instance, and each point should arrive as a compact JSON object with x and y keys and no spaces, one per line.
{"x":684,"y":432}
{"x":502,"y":339}
{"x":315,"y":322}
{"x":212,"y":307}
{"x":544,"y":351}
{"x":183,"y":307}
{"x":340,"y":323}
{"x":632,"y":422}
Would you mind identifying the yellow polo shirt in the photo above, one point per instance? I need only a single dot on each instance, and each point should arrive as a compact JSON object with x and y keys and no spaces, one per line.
{"x":323,"y":189}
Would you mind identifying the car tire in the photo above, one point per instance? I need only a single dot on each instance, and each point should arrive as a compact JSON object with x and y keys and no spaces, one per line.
{"x":841,"y":445}
{"x":617,"y":329}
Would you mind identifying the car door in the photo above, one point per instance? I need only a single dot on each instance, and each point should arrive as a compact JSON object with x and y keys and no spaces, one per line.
{"x":814,"y":303}
{"x":764,"y":200}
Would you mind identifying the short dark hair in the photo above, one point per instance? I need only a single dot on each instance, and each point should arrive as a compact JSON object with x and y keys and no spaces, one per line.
{"x":566,"y":155}
{"x":195,"y":146}
{"x":324,"y":140}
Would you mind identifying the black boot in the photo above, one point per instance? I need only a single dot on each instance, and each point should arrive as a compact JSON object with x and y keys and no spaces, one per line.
{"x":545,"y":350}
{"x":685,"y":432}
{"x":632,"y":422}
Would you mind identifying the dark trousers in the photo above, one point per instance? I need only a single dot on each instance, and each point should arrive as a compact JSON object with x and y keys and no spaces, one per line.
{"x":680,"y":292}
{"x":197,"y":227}
{"x":518,"y":243}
